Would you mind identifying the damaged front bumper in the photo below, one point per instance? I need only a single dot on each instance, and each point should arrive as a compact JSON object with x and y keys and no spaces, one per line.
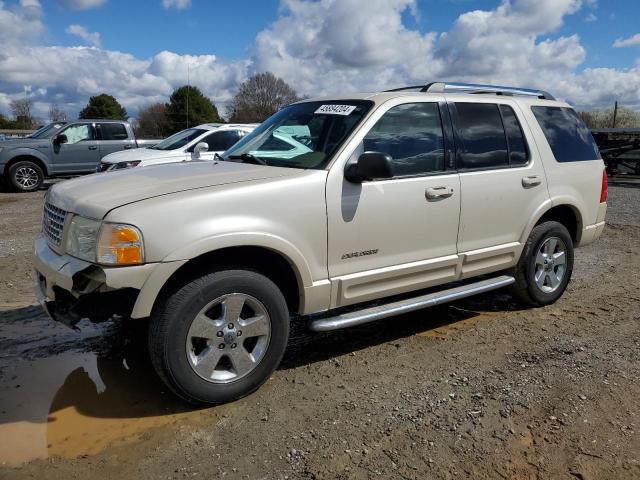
{"x":70,"y":289}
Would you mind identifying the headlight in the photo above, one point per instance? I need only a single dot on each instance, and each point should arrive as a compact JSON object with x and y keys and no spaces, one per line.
{"x":104,"y":243}
{"x":81,"y":238}
{"x":119,"y":244}
{"x":123,"y":165}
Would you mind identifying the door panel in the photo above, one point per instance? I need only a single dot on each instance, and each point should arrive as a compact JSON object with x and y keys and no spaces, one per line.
{"x":392,"y":236}
{"x":498,"y":202}
{"x":80,"y":154}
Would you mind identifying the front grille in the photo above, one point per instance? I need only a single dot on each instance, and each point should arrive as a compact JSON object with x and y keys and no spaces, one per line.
{"x":53,"y":223}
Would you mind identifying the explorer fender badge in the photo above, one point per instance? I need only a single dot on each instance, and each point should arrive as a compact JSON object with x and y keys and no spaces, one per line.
{"x":359,"y":254}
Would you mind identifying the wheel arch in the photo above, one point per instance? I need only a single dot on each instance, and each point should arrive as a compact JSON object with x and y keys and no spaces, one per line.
{"x":28,"y":156}
{"x":273,"y":264}
{"x":565,"y":213}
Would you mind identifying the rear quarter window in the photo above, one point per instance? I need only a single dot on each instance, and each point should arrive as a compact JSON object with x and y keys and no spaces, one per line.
{"x":569,"y":138}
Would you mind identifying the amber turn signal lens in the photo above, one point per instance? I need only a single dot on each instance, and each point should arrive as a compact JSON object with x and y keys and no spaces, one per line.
{"x":120,"y":244}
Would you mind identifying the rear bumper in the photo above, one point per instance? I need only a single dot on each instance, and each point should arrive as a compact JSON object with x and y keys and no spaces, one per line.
{"x":591,"y":233}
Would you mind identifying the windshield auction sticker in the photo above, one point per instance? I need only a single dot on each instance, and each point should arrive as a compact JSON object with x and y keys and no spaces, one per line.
{"x":336,"y":109}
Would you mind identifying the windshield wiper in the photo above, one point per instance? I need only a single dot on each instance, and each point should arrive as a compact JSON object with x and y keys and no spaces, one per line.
{"x":248,"y":158}
{"x":217,"y":156}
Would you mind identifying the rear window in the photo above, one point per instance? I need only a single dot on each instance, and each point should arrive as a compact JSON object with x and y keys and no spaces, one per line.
{"x":569,"y":138}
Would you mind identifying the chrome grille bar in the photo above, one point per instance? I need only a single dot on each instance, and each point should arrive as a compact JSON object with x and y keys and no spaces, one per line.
{"x":53,"y":223}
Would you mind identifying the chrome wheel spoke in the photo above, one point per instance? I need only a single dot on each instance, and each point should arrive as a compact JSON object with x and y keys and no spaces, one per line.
{"x":257,"y":326}
{"x":553,"y":280}
{"x":540,"y":277}
{"x":241,"y":360}
{"x":233,"y":306}
{"x":559,"y":258}
{"x":540,"y":258}
{"x":552,"y":243}
{"x":203,"y":327}
{"x":207,"y":361}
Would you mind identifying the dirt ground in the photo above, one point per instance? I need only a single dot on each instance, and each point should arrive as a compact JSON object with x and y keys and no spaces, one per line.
{"x":478,"y":389}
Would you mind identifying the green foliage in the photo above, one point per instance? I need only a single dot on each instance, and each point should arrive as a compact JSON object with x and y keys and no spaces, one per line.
{"x":103,"y":106}
{"x":188,"y":107}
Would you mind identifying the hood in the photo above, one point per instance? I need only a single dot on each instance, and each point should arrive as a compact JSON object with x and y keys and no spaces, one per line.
{"x":95,"y":195}
{"x":144,"y":154}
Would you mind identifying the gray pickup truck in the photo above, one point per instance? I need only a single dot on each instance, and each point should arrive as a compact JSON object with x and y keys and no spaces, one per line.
{"x":61,"y":149}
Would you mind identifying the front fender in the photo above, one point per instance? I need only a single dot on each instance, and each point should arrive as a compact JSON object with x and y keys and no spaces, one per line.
{"x":26,"y":152}
{"x":247,"y":239}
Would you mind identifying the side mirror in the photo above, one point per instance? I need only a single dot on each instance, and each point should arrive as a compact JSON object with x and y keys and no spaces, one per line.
{"x":199,"y":148}
{"x":370,"y":166}
{"x":60,"y":139}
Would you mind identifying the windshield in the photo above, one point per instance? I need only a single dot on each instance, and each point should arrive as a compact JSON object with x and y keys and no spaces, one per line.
{"x":179,"y":140}
{"x":303,"y":135}
{"x":47,"y":131}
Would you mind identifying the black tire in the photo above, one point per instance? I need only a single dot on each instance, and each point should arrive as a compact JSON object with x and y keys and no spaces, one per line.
{"x":526,"y":288}
{"x":25,"y":176}
{"x":172,"y":319}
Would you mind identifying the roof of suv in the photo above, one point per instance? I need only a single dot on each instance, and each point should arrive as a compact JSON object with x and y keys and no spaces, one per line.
{"x":458,"y":90}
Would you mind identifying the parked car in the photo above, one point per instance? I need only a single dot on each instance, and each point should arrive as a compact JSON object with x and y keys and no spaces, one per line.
{"x":197,"y":143}
{"x":405,"y":198}
{"x":61,"y":149}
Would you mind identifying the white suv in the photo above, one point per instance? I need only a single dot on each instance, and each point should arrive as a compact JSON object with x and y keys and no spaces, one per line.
{"x":391,"y":202}
{"x":198,"y":143}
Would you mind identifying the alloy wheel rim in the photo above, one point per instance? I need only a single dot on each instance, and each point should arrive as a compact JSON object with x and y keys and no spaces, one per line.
{"x":551,"y":264}
{"x":228,"y":338}
{"x":27,"y":177}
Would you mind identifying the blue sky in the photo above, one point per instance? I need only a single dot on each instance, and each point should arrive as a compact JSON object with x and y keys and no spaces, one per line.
{"x":63,"y":51}
{"x":228,"y":29}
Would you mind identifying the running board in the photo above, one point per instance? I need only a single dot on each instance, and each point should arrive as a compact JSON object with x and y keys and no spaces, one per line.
{"x":379,"y":312}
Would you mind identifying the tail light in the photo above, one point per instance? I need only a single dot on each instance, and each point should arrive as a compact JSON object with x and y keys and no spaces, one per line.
{"x":605,"y":187}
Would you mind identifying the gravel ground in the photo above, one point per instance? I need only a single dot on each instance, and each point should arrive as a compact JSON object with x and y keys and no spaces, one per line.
{"x":478,"y":389}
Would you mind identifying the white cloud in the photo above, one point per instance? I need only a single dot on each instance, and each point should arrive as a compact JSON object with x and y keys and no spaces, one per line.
{"x":177,"y":4}
{"x":591,"y":17}
{"x":627,"y":42}
{"x":81,"y":4}
{"x":323,"y":47}
{"x":92,"y":38}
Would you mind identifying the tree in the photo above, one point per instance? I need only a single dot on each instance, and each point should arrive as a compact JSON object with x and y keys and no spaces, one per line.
{"x":103,"y":106}
{"x":259,"y":97}
{"x":153,"y":122}
{"x":188,"y":107}
{"x":21,"y":110}
{"x":56,"y":114}
{"x":625,"y":118}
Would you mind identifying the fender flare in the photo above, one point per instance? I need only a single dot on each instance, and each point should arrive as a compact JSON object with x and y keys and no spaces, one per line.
{"x":172,"y":262}
{"x":548,"y":205}
{"x":29,"y":152}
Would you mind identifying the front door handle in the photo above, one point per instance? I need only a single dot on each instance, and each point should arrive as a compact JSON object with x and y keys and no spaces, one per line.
{"x":436,"y":193}
{"x":93,"y":147}
{"x":531,"y":181}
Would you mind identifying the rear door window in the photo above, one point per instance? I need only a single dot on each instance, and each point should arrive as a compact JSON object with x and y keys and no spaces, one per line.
{"x":569,"y":138}
{"x":518,"y":153}
{"x":481,"y":136}
{"x":113,"y":131}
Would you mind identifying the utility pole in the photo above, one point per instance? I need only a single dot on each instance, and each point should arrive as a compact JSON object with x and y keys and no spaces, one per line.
{"x":615,"y":114}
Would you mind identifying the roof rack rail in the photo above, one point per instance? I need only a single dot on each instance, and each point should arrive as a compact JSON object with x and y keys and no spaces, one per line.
{"x":456,"y":87}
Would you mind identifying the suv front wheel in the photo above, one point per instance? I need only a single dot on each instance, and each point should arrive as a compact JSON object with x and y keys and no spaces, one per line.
{"x":25,"y":176}
{"x":219,"y":337}
{"x":546,"y":264}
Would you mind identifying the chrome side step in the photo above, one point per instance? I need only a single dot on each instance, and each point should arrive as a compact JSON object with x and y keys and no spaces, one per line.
{"x":379,"y":312}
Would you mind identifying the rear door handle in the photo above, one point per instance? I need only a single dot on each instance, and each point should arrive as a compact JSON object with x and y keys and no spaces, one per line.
{"x":434,"y":193}
{"x":531,"y":181}
{"x":93,"y":147}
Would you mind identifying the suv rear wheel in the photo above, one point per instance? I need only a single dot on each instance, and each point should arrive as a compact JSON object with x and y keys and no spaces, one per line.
{"x":219,"y":337}
{"x":25,"y":176}
{"x":546,"y":264}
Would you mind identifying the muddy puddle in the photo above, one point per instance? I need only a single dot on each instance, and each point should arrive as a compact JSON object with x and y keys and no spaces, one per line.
{"x":72,"y":403}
